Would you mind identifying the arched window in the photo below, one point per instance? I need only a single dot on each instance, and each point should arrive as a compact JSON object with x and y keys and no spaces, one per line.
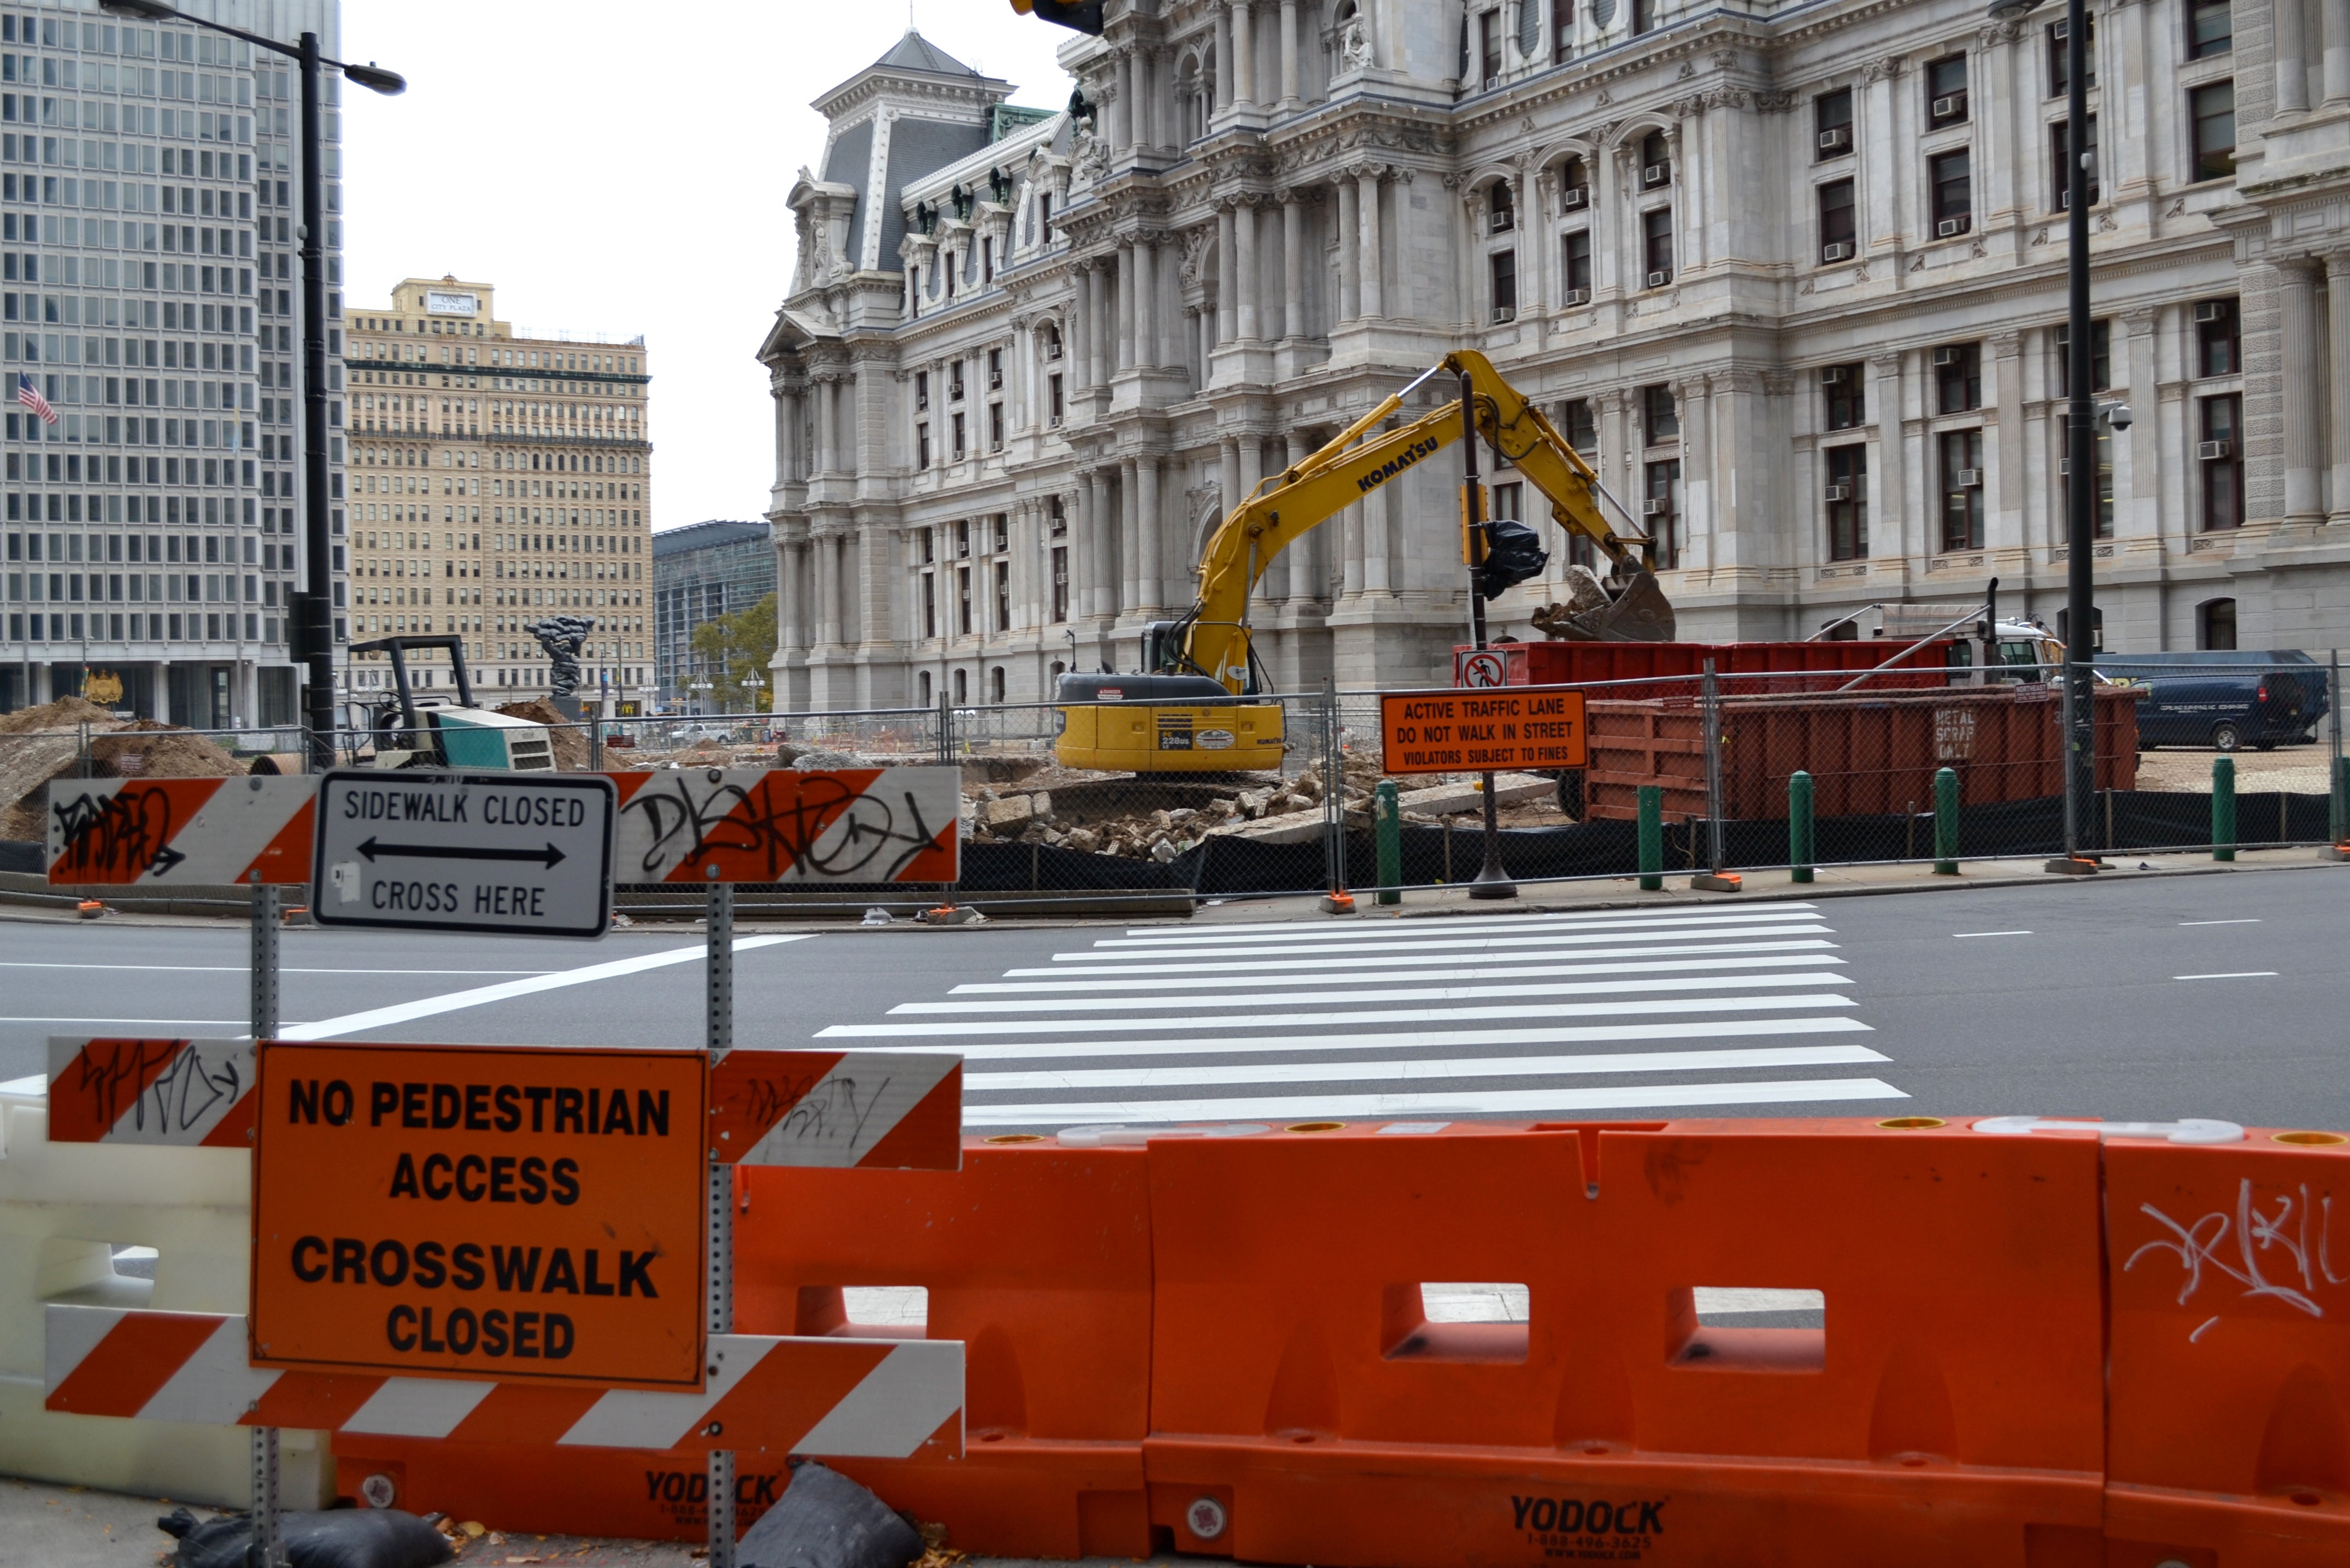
{"x":1501,"y":204}
{"x":963,"y":688}
{"x":1048,"y":339}
{"x":996,"y":684}
{"x":922,"y":687}
{"x":2215,"y":625}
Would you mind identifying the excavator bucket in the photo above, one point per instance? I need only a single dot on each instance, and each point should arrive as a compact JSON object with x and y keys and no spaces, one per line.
{"x":1640,"y":613}
{"x":1637,"y":612}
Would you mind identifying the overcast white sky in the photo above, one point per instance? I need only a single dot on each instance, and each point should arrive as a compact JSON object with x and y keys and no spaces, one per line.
{"x":621,"y":169}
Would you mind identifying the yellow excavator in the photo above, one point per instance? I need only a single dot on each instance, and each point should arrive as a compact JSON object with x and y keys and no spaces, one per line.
{"x":1177,"y":713}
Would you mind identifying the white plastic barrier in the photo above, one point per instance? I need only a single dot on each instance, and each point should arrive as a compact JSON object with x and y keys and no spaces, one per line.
{"x":63,"y":1210}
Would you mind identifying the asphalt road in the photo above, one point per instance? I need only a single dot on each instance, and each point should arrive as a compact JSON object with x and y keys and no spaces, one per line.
{"x":2151,"y":999}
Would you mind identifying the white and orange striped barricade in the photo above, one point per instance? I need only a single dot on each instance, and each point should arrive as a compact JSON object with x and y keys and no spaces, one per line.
{"x":779,"y":825}
{"x":180,"y":833}
{"x":864,"y":1110}
{"x":196,"y":1094}
{"x":825,"y":1398}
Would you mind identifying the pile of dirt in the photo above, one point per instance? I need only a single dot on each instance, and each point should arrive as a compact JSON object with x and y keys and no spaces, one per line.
{"x":570,"y":743}
{"x":39,"y":745}
{"x":65,"y":713}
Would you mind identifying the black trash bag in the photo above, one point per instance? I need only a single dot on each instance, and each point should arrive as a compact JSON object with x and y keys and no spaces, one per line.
{"x":1515,"y":556}
{"x":337,"y":1538}
{"x":827,"y":1520}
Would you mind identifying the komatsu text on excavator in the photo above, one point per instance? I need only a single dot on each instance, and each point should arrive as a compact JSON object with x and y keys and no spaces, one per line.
{"x":1119,"y":723}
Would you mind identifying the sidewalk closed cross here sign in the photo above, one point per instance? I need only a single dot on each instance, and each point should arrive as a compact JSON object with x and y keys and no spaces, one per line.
{"x":530,"y":854}
{"x":508,"y":1214}
{"x":1496,"y":728}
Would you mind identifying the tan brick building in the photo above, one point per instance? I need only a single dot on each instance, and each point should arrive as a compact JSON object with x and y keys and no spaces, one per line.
{"x":496,"y":479}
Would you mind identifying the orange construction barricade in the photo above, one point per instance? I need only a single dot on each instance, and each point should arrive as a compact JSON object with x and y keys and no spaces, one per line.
{"x":1307,"y":1406}
{"x":2230,"y":1351}
{"x":1036,"y":1257}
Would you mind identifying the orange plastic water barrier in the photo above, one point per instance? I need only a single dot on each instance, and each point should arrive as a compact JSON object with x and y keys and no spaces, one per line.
{"x":1036,"y":1257}
{"x":1304,"y":1409}
{"x":2229,"y":1270}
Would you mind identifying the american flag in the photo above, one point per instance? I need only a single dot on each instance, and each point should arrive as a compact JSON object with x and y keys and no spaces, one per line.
{"x":30,"y":396}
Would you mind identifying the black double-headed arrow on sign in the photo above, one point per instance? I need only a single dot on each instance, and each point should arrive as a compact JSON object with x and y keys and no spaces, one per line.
{"x":548,"y":856}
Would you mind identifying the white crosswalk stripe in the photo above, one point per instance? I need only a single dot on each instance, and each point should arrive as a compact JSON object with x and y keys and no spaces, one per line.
{"x":1515,"y":1015}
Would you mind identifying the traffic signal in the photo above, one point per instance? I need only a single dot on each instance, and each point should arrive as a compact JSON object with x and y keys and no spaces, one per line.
{"x":1081,"y":15}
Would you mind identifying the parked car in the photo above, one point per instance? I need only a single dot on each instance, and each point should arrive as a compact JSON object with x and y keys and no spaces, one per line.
{"x":2224,"y":699}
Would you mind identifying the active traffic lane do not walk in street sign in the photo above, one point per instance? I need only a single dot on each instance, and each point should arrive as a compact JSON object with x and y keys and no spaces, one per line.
{"x":465,"y":852}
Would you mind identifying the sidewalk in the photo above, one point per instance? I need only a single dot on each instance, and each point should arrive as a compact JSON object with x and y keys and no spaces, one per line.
{"x":1534,"y":898}
{"x":47,"y":1526}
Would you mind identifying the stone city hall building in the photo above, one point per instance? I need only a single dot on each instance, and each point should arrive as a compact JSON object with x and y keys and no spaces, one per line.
{"x":1793,"y":280}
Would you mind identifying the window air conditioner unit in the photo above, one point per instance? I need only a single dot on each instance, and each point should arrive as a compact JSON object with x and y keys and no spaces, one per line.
{"x":1503,"y":313}
{"x":1833,"y":376}
{"x":1052,"y":423}
{"x":1493,"y":82}
{"x":1578,"y":296}
{"x":1835,"y":139}
{"x":1658,"y":279}
{"x":1840,"y":249}
{"x":1950,"y":226}
{"x":1656,"y":509}
{"x":2211,"y":310}
{"x":1839,"y":493}
{"x":2063,"y":468}
{"x":1656,"y":173}
{"x":2061,"y":30}
{"x":1950,"y":106}
{"x":1970,"y":479}
{"x":1572,"y":198}
{"x":2212,"y":451}
{"x":1946,"y":357}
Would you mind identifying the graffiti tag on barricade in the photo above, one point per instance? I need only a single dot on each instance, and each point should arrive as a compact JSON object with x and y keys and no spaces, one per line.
{"x":875,"y":1109}
{"x":176,"y":1092}
{"x":778,"y":825}
{"x":213,"y":832}
{"x":2276,"y":1247}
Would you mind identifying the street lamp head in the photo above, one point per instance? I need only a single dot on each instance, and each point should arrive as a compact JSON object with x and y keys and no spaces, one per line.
{"x":2010,"y":10}
{"x":143,"y":10}
{"x":391,"y":83}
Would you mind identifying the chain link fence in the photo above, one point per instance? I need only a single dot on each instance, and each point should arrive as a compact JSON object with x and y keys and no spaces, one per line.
{"x":1288,"y":794}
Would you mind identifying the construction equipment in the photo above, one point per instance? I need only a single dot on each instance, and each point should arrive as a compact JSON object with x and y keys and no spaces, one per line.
{"x":1211,"y":643}
{"x":435,"y":733}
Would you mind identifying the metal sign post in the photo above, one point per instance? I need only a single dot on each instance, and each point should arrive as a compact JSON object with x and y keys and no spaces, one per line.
{"x":719,"y":1023}
{"x":1716,"y":879}
{"x":267,"y":1550}
{"x":1493,"y":879}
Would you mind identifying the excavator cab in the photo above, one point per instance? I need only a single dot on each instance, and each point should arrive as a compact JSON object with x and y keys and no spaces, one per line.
{"x":1151,"y":724}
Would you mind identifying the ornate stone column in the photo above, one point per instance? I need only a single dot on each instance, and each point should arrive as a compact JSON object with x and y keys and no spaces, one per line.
{"x":1129,"y":529}
{"x":1289,"y":94}
{"x":1243,"y":54}
{"x":1228,"y":267}
{"x":2292,"y":61}
{"x":1244,"y":226}
{"x":1098,"y":346}
{"x":827,"y":538}
{"x":1224,"y":30}
{"x":1126,"y":305}
{"x":2337,"y":334}
{"x":1148,"y":544}
{"x":2336,"y":15}
{"x":1890,"y":504}
{"x":1374,"y":264}
{"x":1351,"y":296}
{"x":1292,"y":256}
{"x":2303,"y":388}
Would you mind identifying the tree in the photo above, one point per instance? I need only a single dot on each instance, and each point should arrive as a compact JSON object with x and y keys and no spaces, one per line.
{"x":730,"y":646}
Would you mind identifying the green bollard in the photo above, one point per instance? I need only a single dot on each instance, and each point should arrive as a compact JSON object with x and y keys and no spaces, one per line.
{"x":2337,"y":827}
{"x":2223,"y":808}
{"x":1652,"y":838}
{"x":1946,"y":823}
{"x":1800,"y":840}
{"x":1387,"y":822}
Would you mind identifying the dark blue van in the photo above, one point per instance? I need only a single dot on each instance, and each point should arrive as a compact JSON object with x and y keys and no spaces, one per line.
{"x":2223,"y":700}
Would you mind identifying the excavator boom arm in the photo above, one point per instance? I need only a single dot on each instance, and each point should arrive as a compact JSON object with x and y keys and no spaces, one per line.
{"x":1357,"y":462}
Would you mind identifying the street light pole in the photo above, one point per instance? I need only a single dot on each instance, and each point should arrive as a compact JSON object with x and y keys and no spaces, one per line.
{"x":314,"y":613}
{"x":313,"y":617}
{"x":2080,"y":446}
